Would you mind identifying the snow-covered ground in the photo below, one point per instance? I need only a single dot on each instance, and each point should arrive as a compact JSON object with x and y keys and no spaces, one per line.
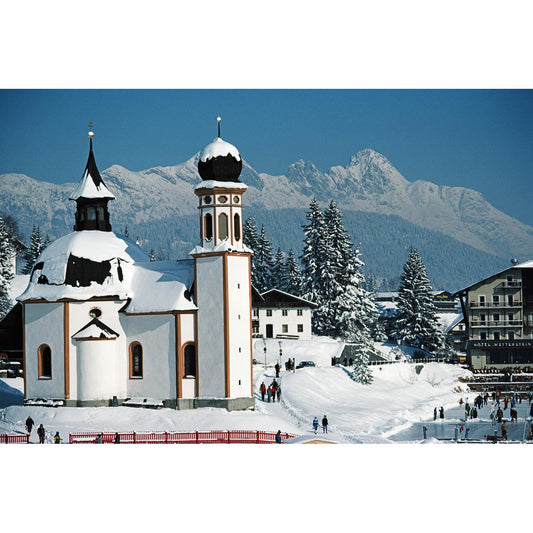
{"x":319,"y":487}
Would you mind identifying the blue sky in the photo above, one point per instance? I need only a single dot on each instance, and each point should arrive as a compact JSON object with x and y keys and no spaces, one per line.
{"x":481,"y":139}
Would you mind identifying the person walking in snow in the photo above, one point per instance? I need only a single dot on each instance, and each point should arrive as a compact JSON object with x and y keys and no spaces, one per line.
{"x":57,"y":438}
{"x":29,"y":424}
{"x":41,"y":433}
{"x":99,"y":439}
{"x":263,"y":389}
{"x":514,"y":415}
{"x":499,"y":415}
{"x":325,"y":424}
{"x":278,"y":437}
{"x":117,"y":438}
{"x":269,"y":393}
{"x":277,"y":369}
{"x":278,"y":393}
{"x":505,"y":403}
{"x":435,"y":414}
{"x":467,"y":410}
{"x":504,"y":430}
{"x":442,"y":412}
{"x":315,"y":424}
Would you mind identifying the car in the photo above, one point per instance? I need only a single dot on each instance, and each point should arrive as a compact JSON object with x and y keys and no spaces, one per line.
{"x":303,"y":364}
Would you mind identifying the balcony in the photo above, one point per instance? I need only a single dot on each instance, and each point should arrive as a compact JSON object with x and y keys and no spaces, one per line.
{"x":512,"y":284}
{"x":495,"y":305}
{"x":497,"y":323}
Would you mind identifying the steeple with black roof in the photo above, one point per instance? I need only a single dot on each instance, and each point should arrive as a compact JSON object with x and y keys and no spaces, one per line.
{"x":92,"y":197}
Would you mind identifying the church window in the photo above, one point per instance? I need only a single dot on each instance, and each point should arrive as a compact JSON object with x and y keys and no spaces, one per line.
{"x":45,"y":362}
{"x":223,"y":199}
{"x":136,"y":360}
{"x":95,"y":312}
{"x":207,"y":199}
{"x":91,"y":213}
{"x":189,"y":361}
{"x":208,"y":227}
{"x":236,"y":199}
{"x":100,"y":211}
{"x":237,"y":226}
{"x":223,"y":226}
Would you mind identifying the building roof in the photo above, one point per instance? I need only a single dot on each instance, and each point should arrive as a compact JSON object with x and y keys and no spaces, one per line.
{"x":276,"y":297}
{"x":91,"y":264}
{"x":95,"y":329}
{"x":524,"y":265}
{"x":92,"y":185}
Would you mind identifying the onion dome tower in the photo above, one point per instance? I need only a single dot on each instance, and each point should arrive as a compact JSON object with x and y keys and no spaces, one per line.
{"x":92,"y":197}
{"x":223,"y":282}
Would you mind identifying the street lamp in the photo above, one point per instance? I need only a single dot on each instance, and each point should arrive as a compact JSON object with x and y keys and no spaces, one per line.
{"x":265,"y":351}
{"x":280,"y":353}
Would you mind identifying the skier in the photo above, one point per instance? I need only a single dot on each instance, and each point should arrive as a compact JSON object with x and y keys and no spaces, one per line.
{"x":57,"y":438}
{"x":41,"y":433}
{"x":315,"y":424}
{"x":442,"y":412}
{"x":29,"y":424}
{"x":324,"y":424}
{"x":263,"y":389}
{"x":278,"y":437}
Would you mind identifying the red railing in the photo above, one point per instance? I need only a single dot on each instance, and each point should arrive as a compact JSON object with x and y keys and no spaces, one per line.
{"x":180,"y":437}
{"x":16,"y":438}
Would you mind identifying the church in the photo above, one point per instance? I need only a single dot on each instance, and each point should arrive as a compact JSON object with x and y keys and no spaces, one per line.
{"x":102,"y":324}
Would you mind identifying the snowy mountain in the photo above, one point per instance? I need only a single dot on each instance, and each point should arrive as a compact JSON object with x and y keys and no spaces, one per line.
{"x":158,"y":206}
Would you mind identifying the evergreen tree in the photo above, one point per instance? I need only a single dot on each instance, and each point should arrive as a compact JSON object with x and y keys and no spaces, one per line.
{"x":250,"y":238}
{"x":278,"y":274}
{"x":264,"y":263}
{"x":6,"y":268}
{"x":312,"y":260}
{"x":416,"y":322}
{"x":293,"y":277}
{"x":33,"y":252}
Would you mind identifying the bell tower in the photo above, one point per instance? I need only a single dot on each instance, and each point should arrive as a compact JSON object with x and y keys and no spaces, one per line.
{"x":222,"y":282}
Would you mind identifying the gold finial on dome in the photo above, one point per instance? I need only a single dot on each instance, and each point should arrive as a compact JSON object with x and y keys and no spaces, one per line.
{"x":91,"y":132}
{"x":219,"y":120}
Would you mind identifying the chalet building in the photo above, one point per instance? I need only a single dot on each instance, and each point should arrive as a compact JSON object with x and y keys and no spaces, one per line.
{"x":104,"y":325}
{"x":498,"y":313}
{"x":280,"y":315}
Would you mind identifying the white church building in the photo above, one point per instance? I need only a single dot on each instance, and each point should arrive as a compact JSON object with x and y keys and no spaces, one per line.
{"x":102,"y":324}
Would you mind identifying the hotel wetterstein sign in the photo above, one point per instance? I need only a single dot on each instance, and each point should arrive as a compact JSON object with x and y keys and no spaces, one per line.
{"x":509,"y":345}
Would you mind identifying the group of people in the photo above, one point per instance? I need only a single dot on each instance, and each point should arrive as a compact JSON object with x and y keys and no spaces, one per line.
{"x":324,"y":424}
{"x":272,"y":392}
{"x":41,"y":432}
{"x":441,"y":413}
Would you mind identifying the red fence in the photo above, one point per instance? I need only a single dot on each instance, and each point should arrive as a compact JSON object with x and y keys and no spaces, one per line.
{"x":181,"y":437}
{"x":16,"y":438}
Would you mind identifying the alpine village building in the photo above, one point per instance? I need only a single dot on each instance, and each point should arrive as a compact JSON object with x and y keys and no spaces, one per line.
{"x":103,"y":325}
{"x":498,"y":312}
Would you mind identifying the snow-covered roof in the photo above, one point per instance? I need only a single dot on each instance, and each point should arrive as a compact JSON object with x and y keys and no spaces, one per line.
{"x":224,"y":246}
{"x":87,"y":264}
{"x":219,"y":148}
{"x":213,"y":184}
{"x":95,"y":329}
{"x":92,"y":185}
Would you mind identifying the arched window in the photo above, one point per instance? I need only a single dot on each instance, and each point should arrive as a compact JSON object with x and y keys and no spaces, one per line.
{"x":45,"y":362}
{"x":208,"y":227}
{"x":223,"y":226}
{"x":189,"y":361}
{"x":91,"y":213}
{"x":136,"y":360}
{"x":237,"y":226}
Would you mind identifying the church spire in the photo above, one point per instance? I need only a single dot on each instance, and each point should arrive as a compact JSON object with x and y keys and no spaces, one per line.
{"x":92,"y":196}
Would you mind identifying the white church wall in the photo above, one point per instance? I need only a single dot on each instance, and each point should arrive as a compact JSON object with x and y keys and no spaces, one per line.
{"x":156,"y":334}
{"x":187,"y":335}
{"x":44,"y":325}
{"x":96,"y":369}
{"x":240,"y":327}
{"x":211,"y":334}
{"x":118,"y":349}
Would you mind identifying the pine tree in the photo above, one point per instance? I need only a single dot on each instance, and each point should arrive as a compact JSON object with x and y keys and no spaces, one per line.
{"x":6,"y":268}
{"x":294,"y":280}
{"x":34,"y":251}
{"x":416,"y":322}
{"x":250,"y":238}
{"x":278,"y":273}
{"x":264,"y":263}
{"x":312,"y":260}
